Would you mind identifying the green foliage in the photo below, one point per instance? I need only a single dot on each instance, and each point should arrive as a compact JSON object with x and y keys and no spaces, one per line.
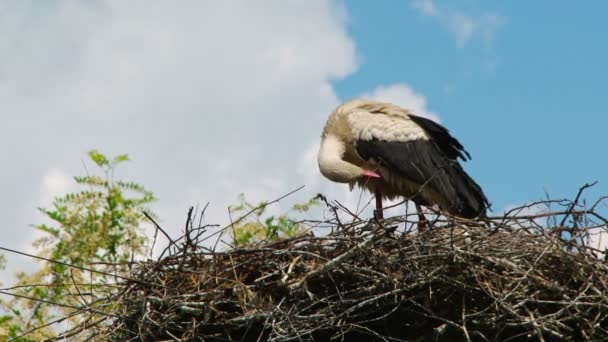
{"x":98,"y":228}
{"x":256,"y":227}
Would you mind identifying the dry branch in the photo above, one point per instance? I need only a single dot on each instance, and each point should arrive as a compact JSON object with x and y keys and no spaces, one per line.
{"x":505,"y":278}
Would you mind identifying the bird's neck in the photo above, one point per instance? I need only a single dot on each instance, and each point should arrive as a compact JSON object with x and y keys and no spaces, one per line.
{"x":331,"y":163}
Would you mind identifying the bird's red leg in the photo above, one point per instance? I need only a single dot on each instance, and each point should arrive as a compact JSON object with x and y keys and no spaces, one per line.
{"x":369,"y":174}
{"x":422,"y":223}
{"x":379,"y":213}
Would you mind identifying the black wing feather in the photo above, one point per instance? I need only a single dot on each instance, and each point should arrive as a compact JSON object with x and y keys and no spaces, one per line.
{"x":425,"y":163}
{"x":449,"y":145}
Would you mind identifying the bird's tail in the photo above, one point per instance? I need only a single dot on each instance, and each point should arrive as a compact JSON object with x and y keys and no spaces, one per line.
{"x":472,"y":202}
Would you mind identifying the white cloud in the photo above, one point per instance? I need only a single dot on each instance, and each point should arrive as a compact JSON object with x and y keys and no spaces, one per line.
{"x":403,"y":95}
{"x":598,"y":239}
{"x":465,"y":27}
{"x":462,"y":27}
{"x":210,"y":99}
{"x":427,"y":7}
{"x":490,"y":24}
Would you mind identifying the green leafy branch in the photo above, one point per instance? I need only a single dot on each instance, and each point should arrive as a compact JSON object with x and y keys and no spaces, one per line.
{"x":258,"y":227}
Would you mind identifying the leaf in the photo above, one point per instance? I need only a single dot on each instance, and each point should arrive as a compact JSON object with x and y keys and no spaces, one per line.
{"x":53,"y":231}
{"x":5,"y":318}
{"x":99,"y":158}
{"x":120,"y":158}
{"x":304,"y":207}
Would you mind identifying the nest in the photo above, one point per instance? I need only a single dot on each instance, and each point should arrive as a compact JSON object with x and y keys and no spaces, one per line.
{"x":507,"y":278}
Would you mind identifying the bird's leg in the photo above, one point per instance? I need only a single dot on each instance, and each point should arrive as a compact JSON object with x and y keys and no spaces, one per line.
{"x":369,"y":174}
{"x":422,"y":222}
{"x":378,"y":213}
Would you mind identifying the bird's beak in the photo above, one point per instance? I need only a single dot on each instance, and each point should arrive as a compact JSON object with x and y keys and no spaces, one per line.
{"x":371,"y":174}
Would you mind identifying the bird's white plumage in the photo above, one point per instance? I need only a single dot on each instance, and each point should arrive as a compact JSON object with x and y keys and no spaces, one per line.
{"x":369,"y":126}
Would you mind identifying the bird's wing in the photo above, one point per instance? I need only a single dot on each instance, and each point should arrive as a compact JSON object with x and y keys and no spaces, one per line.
{"x":450,"y":146}
{"x":408,"y":149}
{"x":418,"y":161}
{"x":399,"y":144}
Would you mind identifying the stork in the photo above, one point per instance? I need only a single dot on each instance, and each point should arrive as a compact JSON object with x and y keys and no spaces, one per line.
{"x":392,"y":153}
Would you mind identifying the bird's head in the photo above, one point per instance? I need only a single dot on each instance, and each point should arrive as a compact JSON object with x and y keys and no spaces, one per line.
{"x":334,"y":168}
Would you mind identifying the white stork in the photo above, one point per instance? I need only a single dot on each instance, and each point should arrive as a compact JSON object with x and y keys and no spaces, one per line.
{"x":385,"y":149}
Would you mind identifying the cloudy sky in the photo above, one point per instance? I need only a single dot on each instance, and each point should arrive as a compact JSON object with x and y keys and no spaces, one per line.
{"x":216,"y":98}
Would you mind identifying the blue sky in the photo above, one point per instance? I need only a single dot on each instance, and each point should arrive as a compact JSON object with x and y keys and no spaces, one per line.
{"x":527,"y":102}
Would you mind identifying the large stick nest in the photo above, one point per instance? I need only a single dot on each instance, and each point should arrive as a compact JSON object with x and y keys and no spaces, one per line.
{"x":500,"y":279}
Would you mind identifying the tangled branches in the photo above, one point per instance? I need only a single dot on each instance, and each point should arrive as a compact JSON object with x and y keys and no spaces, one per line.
{"x":507,"y":278}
